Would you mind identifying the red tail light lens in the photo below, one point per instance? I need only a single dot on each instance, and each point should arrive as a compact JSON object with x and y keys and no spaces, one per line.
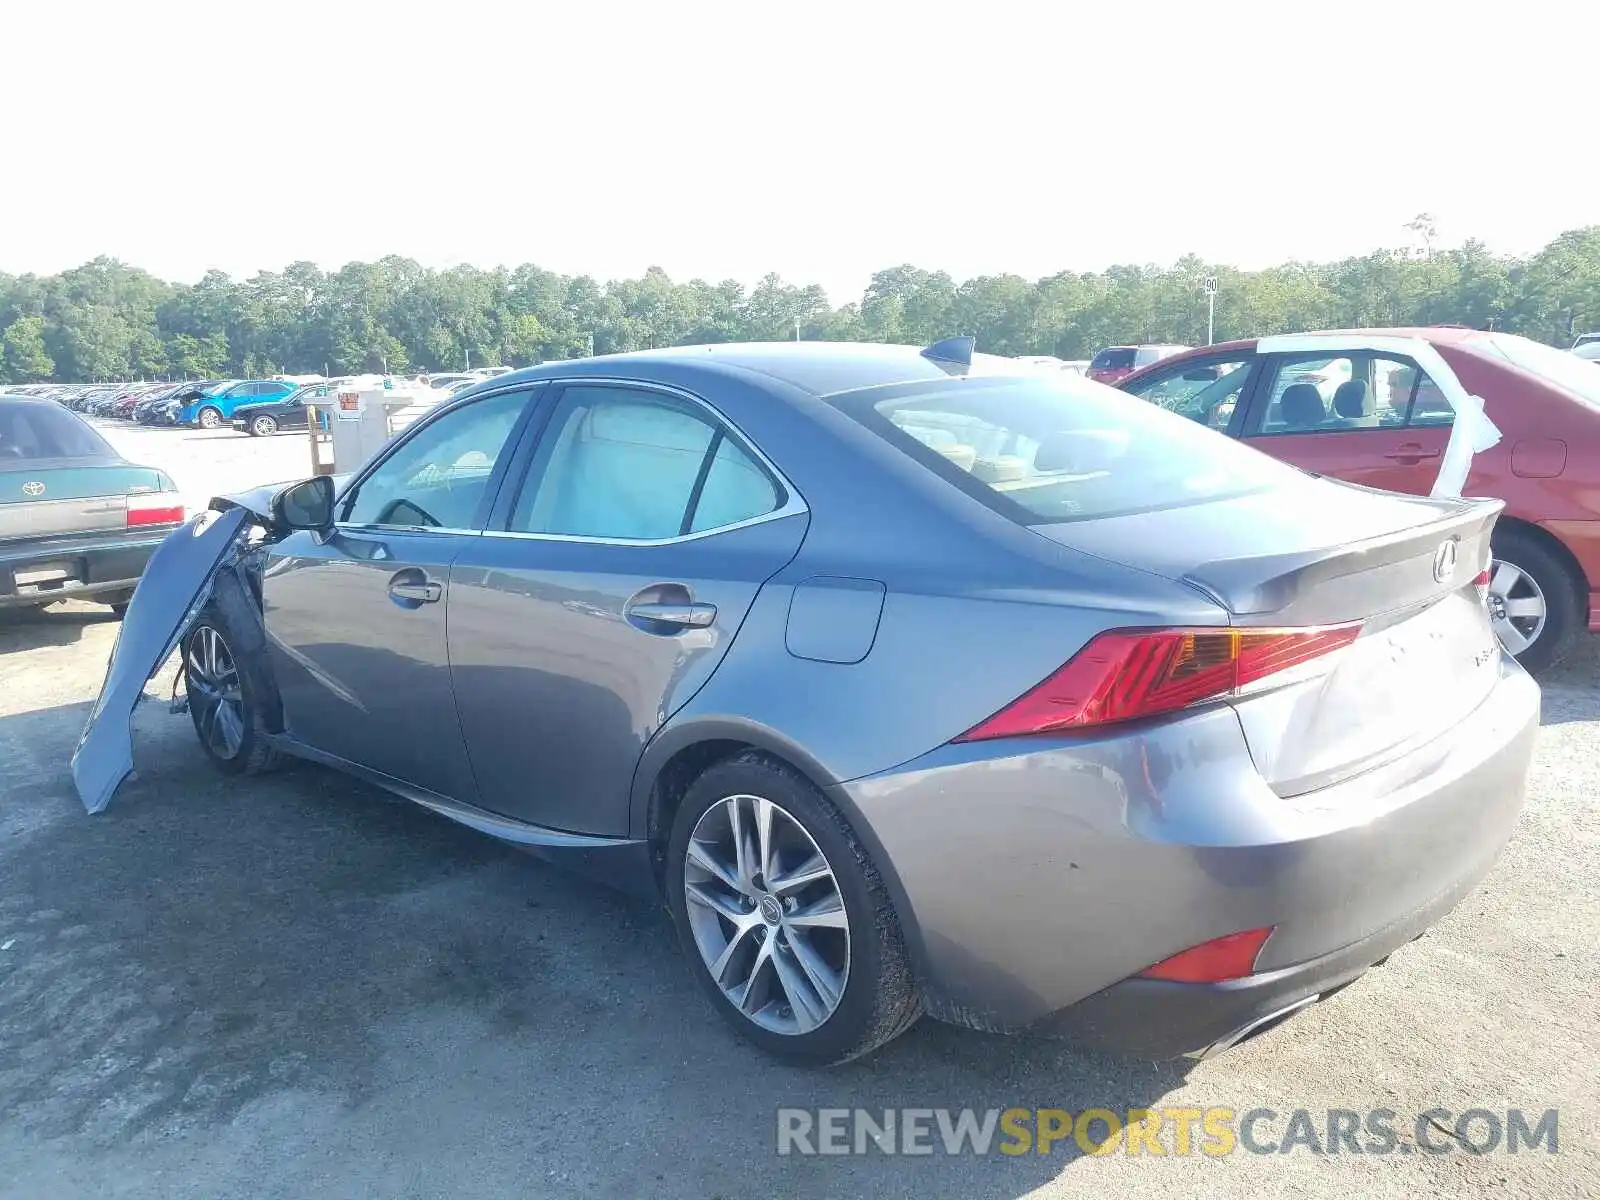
{"x":154,"y":508}
{"x":1232,"y":956}
{"x":1131,"y":673}
{"x":1481,"y":584}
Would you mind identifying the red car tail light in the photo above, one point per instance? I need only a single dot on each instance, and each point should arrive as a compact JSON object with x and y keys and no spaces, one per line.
{"x":1481,"y":585}
{"x":1130,"y":673}
{"x":1232,"y":956}
{"x":154,"y":508}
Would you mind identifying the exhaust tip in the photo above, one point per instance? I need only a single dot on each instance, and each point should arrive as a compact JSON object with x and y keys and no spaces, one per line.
{"x":1255,"y":1028}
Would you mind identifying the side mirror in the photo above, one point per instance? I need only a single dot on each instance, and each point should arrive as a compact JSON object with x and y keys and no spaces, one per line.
{"x":307,"y":505}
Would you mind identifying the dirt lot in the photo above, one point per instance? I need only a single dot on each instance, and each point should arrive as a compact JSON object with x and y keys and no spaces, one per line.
{"x":296,"y":986}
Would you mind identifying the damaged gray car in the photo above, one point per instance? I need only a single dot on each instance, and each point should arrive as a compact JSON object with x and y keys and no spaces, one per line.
{"x":911,"y":682}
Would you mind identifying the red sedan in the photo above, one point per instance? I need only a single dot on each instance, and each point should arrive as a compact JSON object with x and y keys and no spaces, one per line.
{"x":1359,"y":405}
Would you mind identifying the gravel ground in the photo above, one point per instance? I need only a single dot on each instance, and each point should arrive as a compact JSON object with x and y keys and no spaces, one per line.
{"x":296,"y":986}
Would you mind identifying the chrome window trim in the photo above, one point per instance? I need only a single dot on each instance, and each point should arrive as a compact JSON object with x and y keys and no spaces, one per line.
{"x":794,"y":503}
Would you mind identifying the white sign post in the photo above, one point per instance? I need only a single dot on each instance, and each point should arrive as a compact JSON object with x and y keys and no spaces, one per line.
{"x":1211,"y":308}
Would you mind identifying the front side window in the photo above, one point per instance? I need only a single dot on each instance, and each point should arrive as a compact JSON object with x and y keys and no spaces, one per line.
{"x":439,"y":477}
{"x":1055,"y":448}
{"x":632,"y":465}
{"x":1206,"y":392}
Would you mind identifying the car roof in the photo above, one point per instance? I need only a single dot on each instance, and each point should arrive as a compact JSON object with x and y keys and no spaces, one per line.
{"x":818,"y":368}
{"x":1449,"y":335}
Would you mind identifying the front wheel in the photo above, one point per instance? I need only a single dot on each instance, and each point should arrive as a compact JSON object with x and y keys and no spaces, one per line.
{"x":263,"y":425}
{"x":210,"y":418}
{"x":1533,"y":601}
{"x":785,"y":920}
{"x":227,"y":693}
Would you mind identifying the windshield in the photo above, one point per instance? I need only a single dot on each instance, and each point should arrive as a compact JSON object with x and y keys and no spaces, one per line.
{"x":1060,"y":448}
{"x":1560,"y":367}
{"x":1115,"y":359}
{"x":32,"y":431}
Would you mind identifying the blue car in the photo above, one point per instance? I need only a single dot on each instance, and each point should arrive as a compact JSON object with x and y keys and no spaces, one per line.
{"x":213,"y":408}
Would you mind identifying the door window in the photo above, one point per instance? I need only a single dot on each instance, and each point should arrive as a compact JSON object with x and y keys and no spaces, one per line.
{"x":438,"y":478}
{"x":637,"y":466}
{"x":1343,"y":392}
{"x":1206,"y":392}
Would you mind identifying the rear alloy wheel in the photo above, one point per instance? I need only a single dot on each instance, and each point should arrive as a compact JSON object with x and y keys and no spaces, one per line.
{"x":263,"y":425}
{"x":1533,"y":603}
{"x":210,"y":418}
{"x":785,"y":920}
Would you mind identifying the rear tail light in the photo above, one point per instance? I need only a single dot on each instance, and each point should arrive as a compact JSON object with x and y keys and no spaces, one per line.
{"x":1232,"y":956}
{"x":154,"y":508}
{"x":1130,"y":673}
{"x":1481,"y":585}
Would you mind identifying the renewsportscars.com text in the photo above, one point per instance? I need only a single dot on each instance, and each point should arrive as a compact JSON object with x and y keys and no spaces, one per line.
{"x":1163,"y":1131}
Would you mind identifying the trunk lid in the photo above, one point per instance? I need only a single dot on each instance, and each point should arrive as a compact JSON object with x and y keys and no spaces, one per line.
{"x":51,"y":497}
{"x":1320,"y":552}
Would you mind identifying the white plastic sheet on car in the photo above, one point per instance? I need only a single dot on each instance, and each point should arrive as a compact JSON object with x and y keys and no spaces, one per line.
{"x":1471,"y":432}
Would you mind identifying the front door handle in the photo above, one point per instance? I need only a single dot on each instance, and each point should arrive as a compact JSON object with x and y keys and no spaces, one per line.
{"x":683,"y":616}
{"x":407,"y":588}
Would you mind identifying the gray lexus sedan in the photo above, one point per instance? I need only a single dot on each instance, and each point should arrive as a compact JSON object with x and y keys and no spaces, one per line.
{"x":912,"y":681}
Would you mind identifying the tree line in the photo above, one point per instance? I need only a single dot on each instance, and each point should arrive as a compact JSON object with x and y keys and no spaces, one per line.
{"x":106,"y":320}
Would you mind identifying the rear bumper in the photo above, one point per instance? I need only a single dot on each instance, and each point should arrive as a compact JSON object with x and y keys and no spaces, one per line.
{"x":49,"y":569}
{"x":1036,"y":881}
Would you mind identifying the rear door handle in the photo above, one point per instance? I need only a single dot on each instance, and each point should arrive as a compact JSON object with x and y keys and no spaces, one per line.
{"x":1411,"y":454}
{"x":684,"y":616}
{"x":426,"y":592}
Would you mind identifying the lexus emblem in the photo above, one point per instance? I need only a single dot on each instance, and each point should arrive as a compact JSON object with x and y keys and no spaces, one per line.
{"x":1444,"y":561}
{"x":33,"y":488}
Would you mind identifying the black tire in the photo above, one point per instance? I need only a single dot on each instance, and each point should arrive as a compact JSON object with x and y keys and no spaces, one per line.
{"x":208,"y":418}
{"x":233,"y":616}
{"x":880,"y":999}
{"x":1550,"y":574}
{"x":263,"y":425}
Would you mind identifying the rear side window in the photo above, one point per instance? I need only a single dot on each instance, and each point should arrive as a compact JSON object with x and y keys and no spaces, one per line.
{"x":1056,"y":448}
{"x":1115,"y":359}
{"x":630,"y":465}
{"x":36,"y":431}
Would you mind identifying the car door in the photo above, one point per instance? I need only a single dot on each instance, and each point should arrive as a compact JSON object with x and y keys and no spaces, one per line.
{"x":1209,"y":389}
{"x":356,"y":619}
{"x":611,"y":583}
{"x":1361,"y":416}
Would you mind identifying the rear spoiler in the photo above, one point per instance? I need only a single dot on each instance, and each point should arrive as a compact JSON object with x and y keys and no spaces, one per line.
{"x":1358,"y":579}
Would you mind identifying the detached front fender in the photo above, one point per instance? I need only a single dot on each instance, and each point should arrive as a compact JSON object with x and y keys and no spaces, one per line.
{"x":175,"y":586}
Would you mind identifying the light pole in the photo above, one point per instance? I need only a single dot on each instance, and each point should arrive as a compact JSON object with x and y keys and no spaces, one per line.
{"x":1211,"y":308}
{"x":797,"y":329}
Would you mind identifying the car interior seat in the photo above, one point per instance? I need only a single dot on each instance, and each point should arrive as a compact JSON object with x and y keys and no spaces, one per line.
{"x":1301,"y":406}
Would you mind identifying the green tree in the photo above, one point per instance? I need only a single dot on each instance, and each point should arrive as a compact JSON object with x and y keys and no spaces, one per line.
{"x":23,"y":358}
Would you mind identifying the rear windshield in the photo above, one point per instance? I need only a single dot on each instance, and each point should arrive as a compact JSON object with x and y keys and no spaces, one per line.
{"x":1114,"y":359}
{"x":1050,"y":448}
{"x":34,"y":431}
{"x":1561,"y":367}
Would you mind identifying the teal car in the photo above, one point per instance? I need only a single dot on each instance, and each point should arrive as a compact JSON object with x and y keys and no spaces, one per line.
{"x":214,"y":407}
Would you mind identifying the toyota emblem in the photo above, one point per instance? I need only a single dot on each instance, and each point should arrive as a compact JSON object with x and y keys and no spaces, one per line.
{"x":33,"y":488}
{"x":1444,"y":561}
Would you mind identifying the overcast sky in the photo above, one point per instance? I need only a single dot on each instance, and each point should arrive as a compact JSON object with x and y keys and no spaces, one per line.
{"x":819,"y":140}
